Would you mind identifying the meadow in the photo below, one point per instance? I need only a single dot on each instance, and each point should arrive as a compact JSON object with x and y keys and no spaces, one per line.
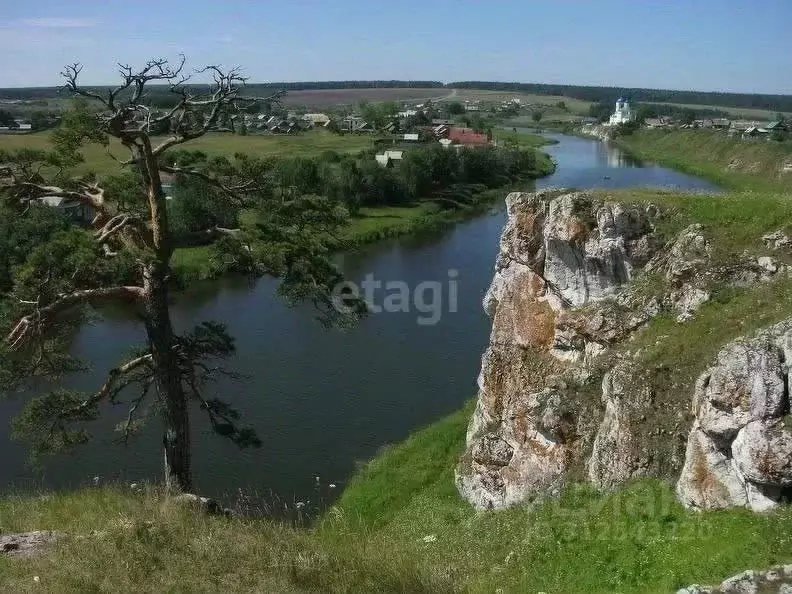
{"x":102,"y":160}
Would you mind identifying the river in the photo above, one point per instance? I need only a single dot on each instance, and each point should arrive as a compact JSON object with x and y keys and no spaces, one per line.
{"x":323,"y":401}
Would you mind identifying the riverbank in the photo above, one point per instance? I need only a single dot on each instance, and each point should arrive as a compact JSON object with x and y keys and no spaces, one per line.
{"x":400,"y":526}
{"x":372,"y":224}
{"x":732,"y":163}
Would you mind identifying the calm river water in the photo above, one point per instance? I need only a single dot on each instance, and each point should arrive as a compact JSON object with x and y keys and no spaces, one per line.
{"x":324,"y":400}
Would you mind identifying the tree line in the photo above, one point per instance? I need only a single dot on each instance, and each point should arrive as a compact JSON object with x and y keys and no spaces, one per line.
{"x":447,"y":177}
{"x":585,"y":93}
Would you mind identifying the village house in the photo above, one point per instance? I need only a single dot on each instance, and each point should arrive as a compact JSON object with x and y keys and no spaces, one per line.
{"x":660,"y":122}
{"x":754,"y":132}
{"x":389,"y":157}
{"x":354,"y":123}
{"x":467,"y":137}
{"x":19,"y":126}
{"x":317,"y":119}
{"x":777,"y":126}
{"x":73,"y":210}
{"x":441,"y":131}
{"x":739,"y":127}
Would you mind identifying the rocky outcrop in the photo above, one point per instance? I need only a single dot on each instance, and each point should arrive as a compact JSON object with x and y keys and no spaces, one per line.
{"x":739,"y":452}
{"x":776,"y":580}
{"x":28,"y":544}
{"x":558,"y":251}
{"x":559,"y":393}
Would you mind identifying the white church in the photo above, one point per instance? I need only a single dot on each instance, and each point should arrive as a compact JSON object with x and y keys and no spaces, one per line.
{"x":623,"y":113}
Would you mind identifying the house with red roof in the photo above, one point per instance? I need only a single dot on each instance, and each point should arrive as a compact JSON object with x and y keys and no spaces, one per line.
{"x":467,"y":137}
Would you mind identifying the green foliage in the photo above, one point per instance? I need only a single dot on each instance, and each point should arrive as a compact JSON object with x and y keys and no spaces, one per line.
{"x":79,"y":126}
{"x":20,"y":233}
{"x":7,"y":119}
{"x":196,"y":206}
{"x":455,"y":108}
{"x":46,"y":420}
{"x":536,"y":116}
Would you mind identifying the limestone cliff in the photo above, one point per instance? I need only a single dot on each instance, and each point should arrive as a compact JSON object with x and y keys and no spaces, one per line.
{"x":562,"y":395}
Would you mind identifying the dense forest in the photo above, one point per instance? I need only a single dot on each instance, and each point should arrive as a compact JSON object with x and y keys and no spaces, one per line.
{"x":586,"y":93}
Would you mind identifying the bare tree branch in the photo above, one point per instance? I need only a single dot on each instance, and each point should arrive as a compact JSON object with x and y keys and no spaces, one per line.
{"x":34,"y":322}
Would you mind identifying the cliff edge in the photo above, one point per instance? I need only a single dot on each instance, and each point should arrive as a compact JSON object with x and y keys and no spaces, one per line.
{"x":571,"y":385}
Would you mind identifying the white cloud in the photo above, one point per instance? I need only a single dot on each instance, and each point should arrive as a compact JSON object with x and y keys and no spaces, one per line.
{"x":57,"y":23}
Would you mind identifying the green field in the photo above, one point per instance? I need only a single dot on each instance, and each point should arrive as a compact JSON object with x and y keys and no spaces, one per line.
{"x":309,"y":143}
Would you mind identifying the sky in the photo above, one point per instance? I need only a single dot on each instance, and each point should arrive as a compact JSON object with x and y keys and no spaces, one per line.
{"x":708,"y":45}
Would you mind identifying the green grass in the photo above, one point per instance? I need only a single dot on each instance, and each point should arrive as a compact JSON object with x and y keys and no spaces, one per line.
{"x":311,"y":143}
{"x":521,"y":138}
{"x":729,"y":162}
{"x":734,"y":221}
{"x":195,"y":264}
{"x":399,"y":526}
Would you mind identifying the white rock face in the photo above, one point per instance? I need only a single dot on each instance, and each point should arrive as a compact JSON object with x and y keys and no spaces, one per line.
{"x":777,"y":579}
{"x":585,"y":260}
{"x":556,"y":251}
{"x":739,"y":451}
{"x":614,"y":457}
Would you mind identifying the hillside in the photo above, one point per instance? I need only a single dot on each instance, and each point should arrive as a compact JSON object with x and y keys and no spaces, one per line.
{"x":730,"y":162}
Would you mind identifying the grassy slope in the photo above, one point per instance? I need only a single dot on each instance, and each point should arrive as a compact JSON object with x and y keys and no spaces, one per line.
{"x":636,"y":540}
{"x":731,"y":163}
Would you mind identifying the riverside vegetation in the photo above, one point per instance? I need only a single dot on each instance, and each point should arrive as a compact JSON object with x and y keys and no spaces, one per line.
{"x":430,"y":189}
{"x":401,"y":525}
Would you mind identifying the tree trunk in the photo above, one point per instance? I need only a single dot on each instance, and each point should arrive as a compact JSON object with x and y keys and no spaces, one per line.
{"x":167,"y":380}
{"x":167,"y":373}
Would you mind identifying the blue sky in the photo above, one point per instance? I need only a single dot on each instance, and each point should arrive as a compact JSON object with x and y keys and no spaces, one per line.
{"x":734,"y":45}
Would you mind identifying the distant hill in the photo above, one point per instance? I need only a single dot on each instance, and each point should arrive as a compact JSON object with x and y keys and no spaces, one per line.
{"x":781,"y":103}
